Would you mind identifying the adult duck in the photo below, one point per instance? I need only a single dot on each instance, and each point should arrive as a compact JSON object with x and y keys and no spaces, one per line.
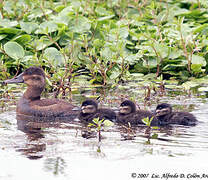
{"x":166,"y":116}
{"x":90,"y":110}
{"x":129,"y":114}
{"x":31,"y":103}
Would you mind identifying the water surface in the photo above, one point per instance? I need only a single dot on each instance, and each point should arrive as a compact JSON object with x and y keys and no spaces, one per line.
{"x":61,"y":151}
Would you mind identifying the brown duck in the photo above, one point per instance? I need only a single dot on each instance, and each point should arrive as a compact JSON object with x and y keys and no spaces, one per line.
{"x":129,"y":114}
{"x":166,"y":116}
{"x":31,"y":103}
{"x":90,"y":110}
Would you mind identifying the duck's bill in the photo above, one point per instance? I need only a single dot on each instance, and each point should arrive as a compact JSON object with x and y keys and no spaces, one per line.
{"x":161,"y":112}
{"x":17,"y":79}
{"x":76,"y":109}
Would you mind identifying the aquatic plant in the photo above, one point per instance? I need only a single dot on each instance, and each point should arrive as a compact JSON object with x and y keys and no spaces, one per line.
{"x":99,"y":124}
{"x":147,"y":121}
{"x":104,"y":42}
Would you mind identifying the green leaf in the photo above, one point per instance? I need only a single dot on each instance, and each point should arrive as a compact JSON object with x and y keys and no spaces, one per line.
{"x":79,"y":24}
{"x":47,"y":27}
{"x":28,"y":27}
{"x":124,"y":32}
{"x":196,"y":68}
{"x":59,"y":8}
{"x":154,"y":136}
{"x":107,"y":53}
{"x":115,"y":73}
{"x":108,"y":123}
{"x":76,"y":4}
{"x":44,"y":42}
{"x":2,"y":36}
{"x":155,"y":127}
{"x":54,"y":56}
{"x":106,"y":18}
{"x":145,"y":120}
{"x":203,"y":29}
{"x":102,"y":11}
{"x":97,"y":43}
{"x":131,"y":59}
{"x":189,"y":84}
{"x":150,"y":63}
{"x":49,"y":82}
{"x":9,"y":31}
{"x":161,"y":49}
{"x":38,"y":12}
{"x":14,"y":50}
{"x":174,"y":54}
{"x":22,"y":39}
{"x":198,"y":60}
{"x":7,"y":23}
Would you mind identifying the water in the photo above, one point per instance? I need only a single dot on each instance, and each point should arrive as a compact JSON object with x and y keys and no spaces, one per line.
{"x":62,"y":153}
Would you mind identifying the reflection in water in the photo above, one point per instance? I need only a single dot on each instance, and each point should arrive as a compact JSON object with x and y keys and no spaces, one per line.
{"x":99,"y":152}
{"x":31,"y":149}
{"x":55,"y":165}
{"x":166,"y":137}
{"x":31,"y":126}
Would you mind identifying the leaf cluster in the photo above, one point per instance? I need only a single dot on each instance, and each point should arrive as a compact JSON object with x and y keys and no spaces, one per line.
{"x":104,"y":41}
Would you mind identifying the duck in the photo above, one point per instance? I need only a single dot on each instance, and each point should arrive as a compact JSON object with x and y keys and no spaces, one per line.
{"x":89,"y":111}
{"x":31,"y":104}
{"x":129,"y":114}
{"x":166,"y":116}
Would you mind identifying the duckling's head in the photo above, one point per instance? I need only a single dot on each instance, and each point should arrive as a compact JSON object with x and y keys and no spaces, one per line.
{"x":33,"y":76}
{"x":89,"y":106}
{"x":163,"y":109}
{"x":127,"y":107}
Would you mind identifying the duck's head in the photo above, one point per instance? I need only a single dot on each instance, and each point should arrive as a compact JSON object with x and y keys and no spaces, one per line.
{"x":163,"y":109}
{"x":33,"y":77}
{"x":127,"y":107}
{"x":89,"y":106}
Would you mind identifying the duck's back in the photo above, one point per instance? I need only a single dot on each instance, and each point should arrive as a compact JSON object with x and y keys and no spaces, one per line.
{"x":133,"y":118}
{"x":45,"y":108}
{"x":106,"y":114}
{"x":183,"y":118}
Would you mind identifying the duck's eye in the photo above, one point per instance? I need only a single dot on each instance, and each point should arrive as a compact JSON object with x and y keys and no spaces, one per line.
{"x":36,"y":78}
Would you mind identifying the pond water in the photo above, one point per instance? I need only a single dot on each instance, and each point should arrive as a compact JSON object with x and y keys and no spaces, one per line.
{"x":63,"y":153}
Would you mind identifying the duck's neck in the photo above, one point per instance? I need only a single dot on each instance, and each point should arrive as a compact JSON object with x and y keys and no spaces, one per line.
{"x":33,"y":93}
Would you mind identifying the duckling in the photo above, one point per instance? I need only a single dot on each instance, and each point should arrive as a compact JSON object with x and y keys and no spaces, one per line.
{"x":90,"y":110}
{"x":165,"y":116}
{"x":128,"y":113}
{"x":31,"y":104}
